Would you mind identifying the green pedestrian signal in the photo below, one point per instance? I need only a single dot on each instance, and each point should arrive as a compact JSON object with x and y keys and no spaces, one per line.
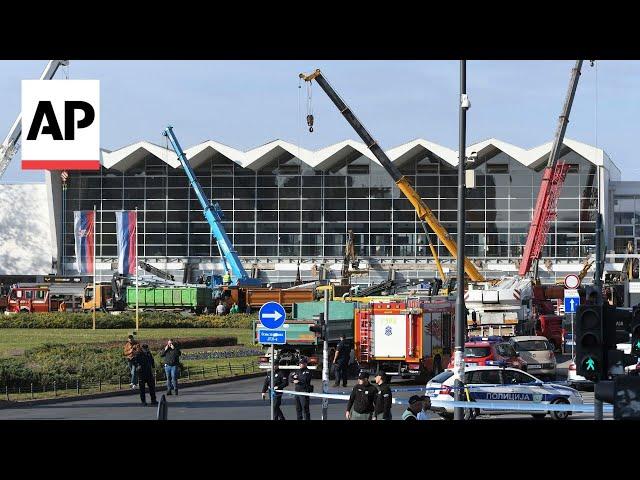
{"x":591,"y":365}
{"x":638,"y":344}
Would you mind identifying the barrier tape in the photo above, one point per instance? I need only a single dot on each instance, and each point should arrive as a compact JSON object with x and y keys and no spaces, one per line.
{"x":483,"y":405}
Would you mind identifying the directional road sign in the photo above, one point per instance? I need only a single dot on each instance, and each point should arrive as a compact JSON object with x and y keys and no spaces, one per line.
{"x":272,"y":315}
{"x":274,"y":337}
{"x":571,"y":304}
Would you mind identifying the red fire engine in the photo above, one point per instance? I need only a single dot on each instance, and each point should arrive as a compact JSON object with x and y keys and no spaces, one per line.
{"x":31,"y":299}
{"x":412,"y":338}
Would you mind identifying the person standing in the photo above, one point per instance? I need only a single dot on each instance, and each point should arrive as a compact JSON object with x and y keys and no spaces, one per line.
{"x":131,"y":348}
{"x":234,"y":308}
{"x":341,"y":362}
{"x":226,"y":279}
{"x":301,"y":378}
{"x":171,"y":355}
{"x":361,"y":402}
{"x":280,"y":381}
{"x":384,"y":399}
{"x":415,"y":405}
{"x":146,"y":365}
{"x":221,"y":309}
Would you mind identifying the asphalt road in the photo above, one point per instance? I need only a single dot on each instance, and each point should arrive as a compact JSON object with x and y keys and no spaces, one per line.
{"x":236,"y":400}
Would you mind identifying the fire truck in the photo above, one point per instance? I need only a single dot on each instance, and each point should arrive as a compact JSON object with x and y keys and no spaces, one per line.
{"x":30,"y":299}
{"x":408,"y":338}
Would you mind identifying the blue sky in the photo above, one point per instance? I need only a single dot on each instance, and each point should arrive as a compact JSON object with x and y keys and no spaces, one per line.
{"x":245,"y":104}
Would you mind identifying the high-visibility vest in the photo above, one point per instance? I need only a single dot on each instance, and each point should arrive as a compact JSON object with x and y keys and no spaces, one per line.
{"x":226,"y":278}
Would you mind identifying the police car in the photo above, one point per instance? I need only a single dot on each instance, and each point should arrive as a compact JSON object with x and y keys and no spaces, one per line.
{"x":496,"y":384}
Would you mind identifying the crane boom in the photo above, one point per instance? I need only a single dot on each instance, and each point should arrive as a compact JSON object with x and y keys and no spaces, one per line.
{"x":552,"y":181}
{"x":423,"y":211}
{"x":9,"y":146}
{"x":214,"y":215}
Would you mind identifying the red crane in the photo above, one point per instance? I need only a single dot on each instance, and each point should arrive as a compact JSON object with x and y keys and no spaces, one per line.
{"x":552,"y":181}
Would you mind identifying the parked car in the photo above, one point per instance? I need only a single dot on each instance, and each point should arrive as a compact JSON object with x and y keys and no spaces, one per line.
{"x":498,"y":384}
{"x":537,"y":352}
{"x":491,"y":353}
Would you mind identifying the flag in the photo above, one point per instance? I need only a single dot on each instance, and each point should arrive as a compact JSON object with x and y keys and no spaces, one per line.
{"x":126,"y":231}
{"x":84,"y":233}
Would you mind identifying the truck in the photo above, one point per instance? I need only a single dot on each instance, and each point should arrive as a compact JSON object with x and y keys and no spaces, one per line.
{"x":412,"y":338}
{"x":514,"y":306}
{"x":30,"y":299}
{"x":288,"y":298}
{"x":503,"y":309}
{"x":195,"y":299}
{"x":301,"y":341}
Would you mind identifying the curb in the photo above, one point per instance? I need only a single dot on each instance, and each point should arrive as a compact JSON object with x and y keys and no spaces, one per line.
{"x":4,"y":404}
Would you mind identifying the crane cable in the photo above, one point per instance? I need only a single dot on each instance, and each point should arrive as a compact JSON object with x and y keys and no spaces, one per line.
{"x":310,"y":106}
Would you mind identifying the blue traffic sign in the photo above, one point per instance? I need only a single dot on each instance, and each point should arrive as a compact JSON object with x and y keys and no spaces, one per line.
{"x":272,"y":315}
{"x":571,"y":304}
{"x":274,"y":337}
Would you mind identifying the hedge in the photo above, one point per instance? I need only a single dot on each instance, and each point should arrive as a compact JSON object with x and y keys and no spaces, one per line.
{"x":87,"y":362}
{"x":124,"y":320}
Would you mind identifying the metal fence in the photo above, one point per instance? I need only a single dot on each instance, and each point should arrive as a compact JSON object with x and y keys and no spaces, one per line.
{"x":21,"y":391}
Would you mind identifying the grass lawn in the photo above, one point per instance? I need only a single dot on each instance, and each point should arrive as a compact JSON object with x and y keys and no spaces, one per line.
{"x":14,"y":341}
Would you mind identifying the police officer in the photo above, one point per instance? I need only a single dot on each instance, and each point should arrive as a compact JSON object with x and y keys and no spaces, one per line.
{"x":341,"y":361}
{"x":280,"y":381}
{"x":301,"y":378}
{"x":362,"y":399}
{"x":384,"y":400}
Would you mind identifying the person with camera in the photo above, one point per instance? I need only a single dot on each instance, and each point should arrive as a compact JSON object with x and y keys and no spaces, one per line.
{"x":301,"y":378}
{"x":171,"y":355}
{"x":281,"y":382}
{"x":361,"y":402}
{"x":145,"y":365}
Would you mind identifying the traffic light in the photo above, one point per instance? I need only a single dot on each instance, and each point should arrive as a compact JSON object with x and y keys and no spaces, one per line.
{"x":635,"y":331}
{"x":320,"y":327}
{"x":589,"y":344}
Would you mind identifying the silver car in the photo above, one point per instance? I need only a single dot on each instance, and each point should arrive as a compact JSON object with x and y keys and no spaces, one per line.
{"x":537,"y":352}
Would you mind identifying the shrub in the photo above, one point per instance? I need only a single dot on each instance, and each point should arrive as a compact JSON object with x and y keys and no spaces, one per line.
{"x":125,"y":320}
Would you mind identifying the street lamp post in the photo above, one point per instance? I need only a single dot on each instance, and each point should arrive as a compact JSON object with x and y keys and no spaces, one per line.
{"x":458,"y":413}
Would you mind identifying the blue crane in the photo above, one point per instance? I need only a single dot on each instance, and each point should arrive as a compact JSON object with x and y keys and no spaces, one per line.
{"x":214,"y":215}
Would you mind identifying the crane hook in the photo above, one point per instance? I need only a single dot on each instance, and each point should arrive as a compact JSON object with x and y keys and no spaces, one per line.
{"x":310,"y":122}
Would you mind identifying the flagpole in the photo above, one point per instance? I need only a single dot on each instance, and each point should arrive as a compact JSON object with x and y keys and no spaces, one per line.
{"x":95,"y":292}
{"x":137,"y":296}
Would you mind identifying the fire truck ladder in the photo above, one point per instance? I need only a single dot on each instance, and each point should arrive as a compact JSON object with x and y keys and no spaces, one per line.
{"x":366,"y":339}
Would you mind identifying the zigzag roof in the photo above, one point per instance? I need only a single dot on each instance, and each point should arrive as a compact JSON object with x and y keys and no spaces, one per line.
{"x":323,"y":159}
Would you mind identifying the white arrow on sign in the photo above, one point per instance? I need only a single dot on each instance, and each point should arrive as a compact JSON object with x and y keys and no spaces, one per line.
{"x":572,"y":302}
{"x":274,"y":315}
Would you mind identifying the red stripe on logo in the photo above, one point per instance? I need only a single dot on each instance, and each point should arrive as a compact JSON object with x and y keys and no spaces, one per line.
{"x":61,"y":164}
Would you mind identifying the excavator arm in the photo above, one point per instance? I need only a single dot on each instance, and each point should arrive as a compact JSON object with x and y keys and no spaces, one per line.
{"x":424,"y":213}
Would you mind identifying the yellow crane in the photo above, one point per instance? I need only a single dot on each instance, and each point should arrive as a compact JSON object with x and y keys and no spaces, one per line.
{"x":424,"y":213}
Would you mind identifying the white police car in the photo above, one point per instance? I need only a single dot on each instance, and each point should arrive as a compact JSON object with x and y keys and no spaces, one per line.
{"x":496,"y":384}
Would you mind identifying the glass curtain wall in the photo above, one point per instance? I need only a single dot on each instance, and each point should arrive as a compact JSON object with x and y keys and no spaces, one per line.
{"x":287,"y":209}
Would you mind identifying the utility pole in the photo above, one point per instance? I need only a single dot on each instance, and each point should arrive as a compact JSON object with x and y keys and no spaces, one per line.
{"x":325,"y":357}
{"x":461,"y":318}
{"x":597,"y":283}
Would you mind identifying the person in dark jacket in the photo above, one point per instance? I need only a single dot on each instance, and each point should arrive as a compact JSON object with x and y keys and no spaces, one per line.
{"x":145,"y":366}
{"x":280,"y":381}
{"x":171,"y":354}
{"x":361,"y":402}
{"x":341,"y":361}
{"x":301,"y":378}
{"x":384,"y":399}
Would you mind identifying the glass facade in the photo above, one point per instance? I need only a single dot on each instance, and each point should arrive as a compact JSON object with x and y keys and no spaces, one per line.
{"x":626,"y":222}
{"x":288,"y":209}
